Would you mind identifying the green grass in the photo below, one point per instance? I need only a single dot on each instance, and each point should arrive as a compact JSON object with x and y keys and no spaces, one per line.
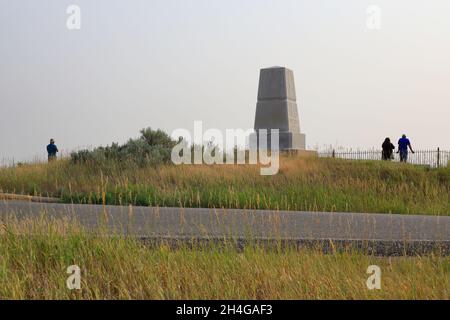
{"x":302,"y":184}
{"x":34,"y":254}
{"x":34,"y":267}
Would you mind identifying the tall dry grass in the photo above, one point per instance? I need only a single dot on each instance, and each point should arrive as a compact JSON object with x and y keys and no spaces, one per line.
{"x":34,"y":267}
{"x":302,"y":184}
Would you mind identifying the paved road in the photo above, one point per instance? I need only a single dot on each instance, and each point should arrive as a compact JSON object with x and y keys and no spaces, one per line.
{"x":191,"y":222}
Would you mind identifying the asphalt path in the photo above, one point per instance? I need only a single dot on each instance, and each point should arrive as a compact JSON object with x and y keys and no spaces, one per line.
{"x":217,"y":223}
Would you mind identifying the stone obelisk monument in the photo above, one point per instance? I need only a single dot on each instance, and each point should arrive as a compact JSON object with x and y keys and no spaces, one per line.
{"x":277,"y":107}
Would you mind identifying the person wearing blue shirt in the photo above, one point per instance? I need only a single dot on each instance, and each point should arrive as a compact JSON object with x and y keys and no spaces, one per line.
{"x":403,"y":145}
{"x":52,"y":149}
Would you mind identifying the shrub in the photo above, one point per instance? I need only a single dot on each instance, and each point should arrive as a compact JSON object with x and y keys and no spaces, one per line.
{"x":152,"y":148}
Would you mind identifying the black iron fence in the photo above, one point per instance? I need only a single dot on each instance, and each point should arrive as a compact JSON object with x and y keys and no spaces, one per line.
{"x":433,"y":158}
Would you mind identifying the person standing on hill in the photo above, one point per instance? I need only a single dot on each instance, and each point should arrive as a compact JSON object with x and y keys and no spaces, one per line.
{"x":403,"y":145}
{"x":388,"y":149}
{"x":52,"y":149}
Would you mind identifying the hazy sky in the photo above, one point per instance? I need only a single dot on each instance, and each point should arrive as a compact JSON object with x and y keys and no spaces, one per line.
{"x":164,"y":64}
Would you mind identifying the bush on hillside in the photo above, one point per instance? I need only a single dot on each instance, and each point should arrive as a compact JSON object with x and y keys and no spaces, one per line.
{"x":153,"y":147}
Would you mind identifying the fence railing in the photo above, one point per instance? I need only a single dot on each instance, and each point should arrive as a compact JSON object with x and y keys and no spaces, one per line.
{"x":433,"y":158}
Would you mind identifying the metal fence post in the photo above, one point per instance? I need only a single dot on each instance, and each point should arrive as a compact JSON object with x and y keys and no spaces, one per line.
{"x":438,"y":157}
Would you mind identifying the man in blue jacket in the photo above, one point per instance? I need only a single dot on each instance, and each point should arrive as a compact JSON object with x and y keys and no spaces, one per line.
{"x":52,"y":149}
{"x":403,"y":145}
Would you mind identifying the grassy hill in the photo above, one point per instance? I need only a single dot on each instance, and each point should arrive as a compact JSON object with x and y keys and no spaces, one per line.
{"x":301,"y":184}
{"x":39,"y":251}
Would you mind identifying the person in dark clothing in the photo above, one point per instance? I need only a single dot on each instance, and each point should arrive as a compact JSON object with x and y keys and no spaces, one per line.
{"x":52,"y":149}
{"x":403,"y":145}
{"x":388,"y":149}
